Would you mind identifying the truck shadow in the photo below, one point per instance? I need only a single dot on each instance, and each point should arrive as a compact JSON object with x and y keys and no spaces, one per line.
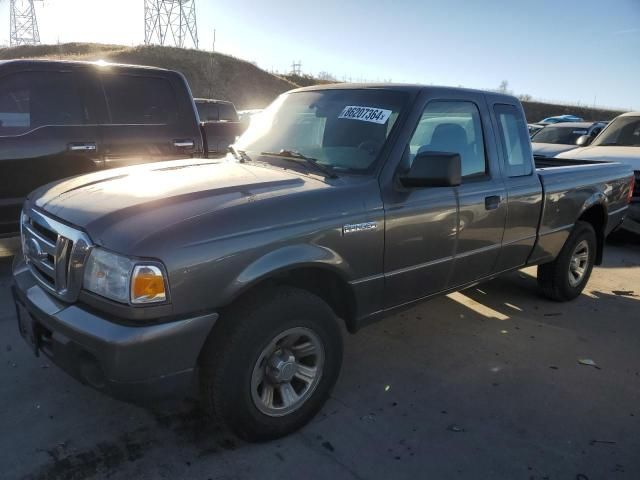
{"x":184,"y":426}
{"x":519,"y":287}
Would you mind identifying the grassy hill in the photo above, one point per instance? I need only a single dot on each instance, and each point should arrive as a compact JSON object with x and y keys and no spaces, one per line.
{"x":215,"y":75}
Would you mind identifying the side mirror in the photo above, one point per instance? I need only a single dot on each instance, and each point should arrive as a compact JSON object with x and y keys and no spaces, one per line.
{"x":434,"y":169}
{"x":584,"y":140}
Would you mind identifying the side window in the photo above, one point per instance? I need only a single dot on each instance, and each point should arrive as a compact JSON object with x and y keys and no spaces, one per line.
{"x":515,"y":141}
{"x":140,"y":100}
{"x":29,"y":100}
{"x":451,"y":126}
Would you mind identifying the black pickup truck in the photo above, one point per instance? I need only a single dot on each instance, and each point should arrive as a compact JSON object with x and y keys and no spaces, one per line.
{"x":59,"y":119}
{"x":220,"y":123}
{"x":233,"y":279}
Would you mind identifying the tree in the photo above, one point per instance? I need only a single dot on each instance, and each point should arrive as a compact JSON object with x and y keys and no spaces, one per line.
{"x":504,"y":87}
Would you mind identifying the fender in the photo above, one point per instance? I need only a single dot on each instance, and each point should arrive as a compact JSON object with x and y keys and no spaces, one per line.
{"x":287,"y":258}
{"x":598,"y":199}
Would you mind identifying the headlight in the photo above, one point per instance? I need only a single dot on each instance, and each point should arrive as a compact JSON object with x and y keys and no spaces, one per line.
{"x":123,"y":279}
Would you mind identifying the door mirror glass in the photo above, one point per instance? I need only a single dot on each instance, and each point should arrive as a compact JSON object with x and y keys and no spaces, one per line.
{"x":584,"y":140}
{"x":433,"y":169}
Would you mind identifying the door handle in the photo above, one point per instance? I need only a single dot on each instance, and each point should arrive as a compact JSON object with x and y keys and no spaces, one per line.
{"x":83,"y":147}
{"x":183,"y":143}
{"x":492,"y":202}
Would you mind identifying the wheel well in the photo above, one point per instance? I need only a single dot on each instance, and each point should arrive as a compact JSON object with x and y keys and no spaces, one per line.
{"x":596,"y":216}
{"x":324,"y":283}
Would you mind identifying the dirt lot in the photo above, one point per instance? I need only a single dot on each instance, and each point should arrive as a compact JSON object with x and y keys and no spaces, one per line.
{"x":481,"y":384}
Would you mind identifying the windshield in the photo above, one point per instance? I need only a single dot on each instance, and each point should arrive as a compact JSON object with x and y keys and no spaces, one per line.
{"x":621,"y":132}
{"x":559,"y":135}
{"x":341,"y":129}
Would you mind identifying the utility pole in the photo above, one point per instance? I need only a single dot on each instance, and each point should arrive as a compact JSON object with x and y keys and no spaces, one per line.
{"x":170,"y":22}
{"x":24,"y":25}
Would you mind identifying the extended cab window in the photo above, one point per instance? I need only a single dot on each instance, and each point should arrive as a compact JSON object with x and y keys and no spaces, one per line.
{"x":140,"y":100}
{"x":29,"y":100}
{"x":515,"y":141}
{"x":455,"y":127}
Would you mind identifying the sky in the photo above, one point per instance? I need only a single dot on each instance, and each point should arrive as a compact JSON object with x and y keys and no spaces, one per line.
{"x":577,"y":51}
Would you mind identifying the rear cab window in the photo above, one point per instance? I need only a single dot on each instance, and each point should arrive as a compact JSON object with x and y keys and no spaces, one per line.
{"x":514,"y":140}
{"x":33,"y":99}
{"x":140,"y":99}
{"x":227,"y":112}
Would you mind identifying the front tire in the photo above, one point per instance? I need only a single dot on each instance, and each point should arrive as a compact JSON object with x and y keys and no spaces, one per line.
{"x":271,"y":363}
{"x":565,"y":278}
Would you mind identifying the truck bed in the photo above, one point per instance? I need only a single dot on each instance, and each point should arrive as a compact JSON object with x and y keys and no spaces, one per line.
{"x":553,"y":162}
{"x":570,"y":186}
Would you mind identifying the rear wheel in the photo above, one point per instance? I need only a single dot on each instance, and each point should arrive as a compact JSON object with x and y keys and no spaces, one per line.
{"x":565,"y":277}
{"x":271,"y":363}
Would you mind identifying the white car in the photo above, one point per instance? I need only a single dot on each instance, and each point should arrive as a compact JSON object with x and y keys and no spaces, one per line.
{"x":619,"y":141}
{"x":561,"y":137}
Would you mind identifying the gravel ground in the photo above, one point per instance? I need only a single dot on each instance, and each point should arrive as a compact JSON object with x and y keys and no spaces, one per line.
{"x":485,"y":383}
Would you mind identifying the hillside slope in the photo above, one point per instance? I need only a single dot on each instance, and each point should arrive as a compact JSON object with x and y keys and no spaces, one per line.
{"x":214,"y":75}
{"x":211,"y":75}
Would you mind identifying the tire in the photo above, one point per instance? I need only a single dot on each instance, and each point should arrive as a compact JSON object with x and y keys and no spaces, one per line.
{"x":557,"y":279}
{"x":234,"y":361}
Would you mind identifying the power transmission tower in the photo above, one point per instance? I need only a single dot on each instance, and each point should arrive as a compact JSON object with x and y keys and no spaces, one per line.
{"x":24,"y":25}
{"x":170,"y":22}
{"x":296,"y":68}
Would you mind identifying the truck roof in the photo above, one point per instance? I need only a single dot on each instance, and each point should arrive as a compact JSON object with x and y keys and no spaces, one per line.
{"x":630,"y":114}
{"x":40,"y":63}
{"x":406,"y":87}
{"x":211,"y":100}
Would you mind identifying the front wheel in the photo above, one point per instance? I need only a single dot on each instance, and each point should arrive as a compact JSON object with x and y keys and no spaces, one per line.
{"x":565,"y":277}
{"x":270,"y":365}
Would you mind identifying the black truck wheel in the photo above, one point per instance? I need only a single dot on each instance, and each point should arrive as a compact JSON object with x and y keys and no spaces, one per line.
{"x":565,"y":277}
{"x":271,"y":363}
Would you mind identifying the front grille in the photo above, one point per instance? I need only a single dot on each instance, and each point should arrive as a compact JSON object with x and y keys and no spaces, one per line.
{"x":55,"y":253}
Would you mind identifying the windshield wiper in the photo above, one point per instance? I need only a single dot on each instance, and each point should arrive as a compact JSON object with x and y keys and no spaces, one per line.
{"x":295,"y":156}
{"x":241,"y":155}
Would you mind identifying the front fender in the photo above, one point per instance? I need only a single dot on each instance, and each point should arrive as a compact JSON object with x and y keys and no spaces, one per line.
{"x":287,"y":258}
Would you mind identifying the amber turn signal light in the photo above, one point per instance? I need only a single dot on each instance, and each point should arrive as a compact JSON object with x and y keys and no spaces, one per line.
{"x":147,"y":284}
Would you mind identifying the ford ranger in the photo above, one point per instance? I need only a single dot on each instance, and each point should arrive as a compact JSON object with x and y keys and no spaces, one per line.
{"x":232,"y":279}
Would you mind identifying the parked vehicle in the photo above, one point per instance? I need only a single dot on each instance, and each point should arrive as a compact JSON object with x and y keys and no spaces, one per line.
{"x":59,"y":119}
{"x":534,"y":128}
{"x":220,"y":123}
{"x":560,"y":119}
{"x":619,"y":141}
{"x":561,"y":137}
{"x":344,"y":204}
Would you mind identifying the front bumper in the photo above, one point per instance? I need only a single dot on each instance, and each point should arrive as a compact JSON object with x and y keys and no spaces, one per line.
{"x":141,"y":364}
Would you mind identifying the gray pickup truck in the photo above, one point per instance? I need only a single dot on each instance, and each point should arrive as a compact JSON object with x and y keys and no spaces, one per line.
{"x":233,"y":279}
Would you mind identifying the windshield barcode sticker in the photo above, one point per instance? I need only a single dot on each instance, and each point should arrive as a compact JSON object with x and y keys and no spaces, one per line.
{"x":365,"y":114}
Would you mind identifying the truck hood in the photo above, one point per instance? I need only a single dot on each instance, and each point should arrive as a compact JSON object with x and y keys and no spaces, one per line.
{"x":628,"y":155}
{"x":550,"y":149}
{"x":128,"y":204}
